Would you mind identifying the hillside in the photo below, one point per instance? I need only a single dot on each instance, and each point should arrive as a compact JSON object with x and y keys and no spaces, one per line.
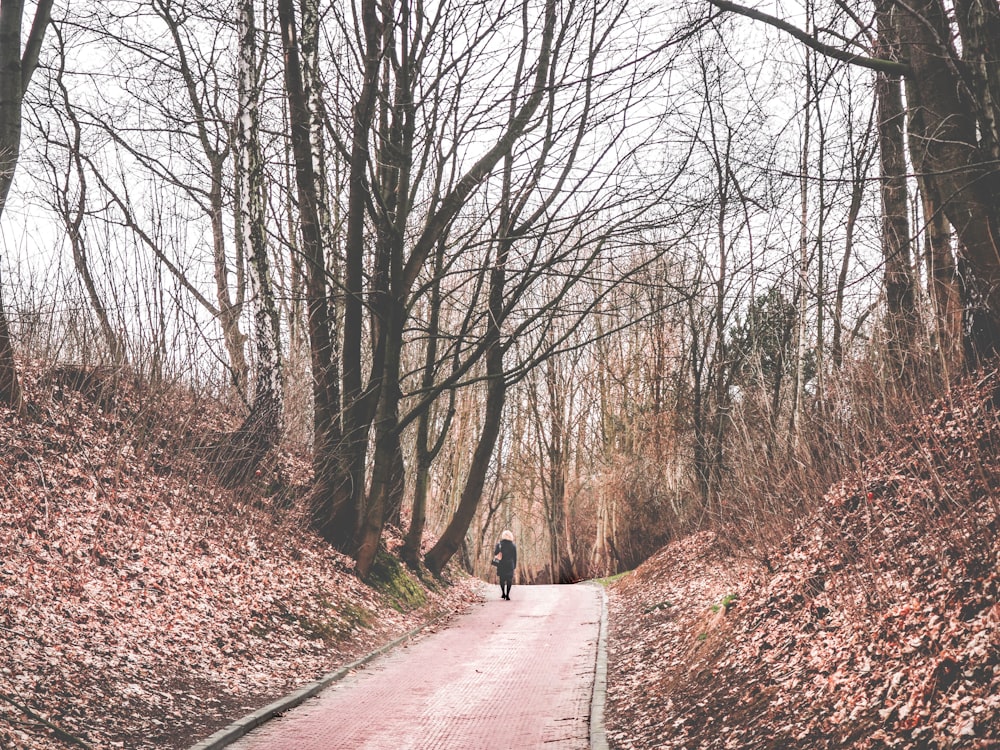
{"x":876,"y":626}
{"x":141,"y":605}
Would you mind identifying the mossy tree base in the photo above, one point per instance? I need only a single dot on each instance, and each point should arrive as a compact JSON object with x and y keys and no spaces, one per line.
{"x":401,"y":590}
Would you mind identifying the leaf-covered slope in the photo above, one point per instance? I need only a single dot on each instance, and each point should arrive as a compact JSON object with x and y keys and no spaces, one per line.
{"x":140,"y":605}
{"x":879,"y":626}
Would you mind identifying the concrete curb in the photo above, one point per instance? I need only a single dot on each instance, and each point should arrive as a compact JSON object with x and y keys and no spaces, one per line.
{"x":598,"y":734}
{"x":240,"y":727}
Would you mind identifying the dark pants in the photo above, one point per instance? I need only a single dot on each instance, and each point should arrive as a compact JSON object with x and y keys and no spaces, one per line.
{"x":505,"y":584}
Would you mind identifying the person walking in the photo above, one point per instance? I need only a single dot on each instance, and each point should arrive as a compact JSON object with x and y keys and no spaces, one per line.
{"x":505,"y":559}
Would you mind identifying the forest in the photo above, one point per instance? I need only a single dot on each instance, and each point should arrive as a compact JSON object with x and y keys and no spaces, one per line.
{"x":600,"y":272}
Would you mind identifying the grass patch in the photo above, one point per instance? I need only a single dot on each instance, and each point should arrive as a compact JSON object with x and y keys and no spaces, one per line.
{"x":726,"y":602}
{"x":608,"y":580}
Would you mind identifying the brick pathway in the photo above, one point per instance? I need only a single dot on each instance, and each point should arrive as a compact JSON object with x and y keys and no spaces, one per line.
{"x":506,"y":675}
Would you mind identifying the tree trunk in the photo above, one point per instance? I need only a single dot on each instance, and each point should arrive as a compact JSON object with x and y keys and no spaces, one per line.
{"x":410,"y":552}
{"x":16,"y":70}
{"x":496,"y":389}
{"x":73,"y":212}
{"x":334,"y":513}
{"x":426,"y":453}
{"x":798,"y":384}
{"x":230,"y":303}
{"x":699,"y":416}
{"x":859,"y":166}
{"x":229,"y":309}
{"x":345,"y":461}
{"x":945,"y":287}
{"x":451,"y":540}
{"x":901,"y":312}
{"x":979,"y":25}
{"x":387,"y":471}
{"x":242,"y":452}
{"x":10,"y":384}
{"x":944,"y":148}
{"x":453,"y":537}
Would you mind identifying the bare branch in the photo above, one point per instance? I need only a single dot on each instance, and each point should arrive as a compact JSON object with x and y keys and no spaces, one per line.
{"x":29,"y":60}
{"x":889,"y":67}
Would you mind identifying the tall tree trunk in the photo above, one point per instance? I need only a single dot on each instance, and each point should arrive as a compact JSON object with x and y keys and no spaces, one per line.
{"x":230,"y":308}
{"x":426,"y":452}
{"x":720,"y":367}
{"x":802,"y":287}
{"x":699,"y":410}
{"x":345,"y":461}
{"x":389,"y":293}
{"x":334,"y":516}
{"x":603,"y":557}
{"x":859,"y":171}
{"x":410,"y":553}
{"x":453,"y":536}
{"x":16,"y":70}
{"x":945,"y":287}
{"x":387,"y":471}
{"x":901,"y":311}
{"x":242,"y":452}
{"x":944,"y":148}
{"x":561,"y":550}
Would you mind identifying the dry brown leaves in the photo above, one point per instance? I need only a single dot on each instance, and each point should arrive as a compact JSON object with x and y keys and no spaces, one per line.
{"x":142,"y":607}
{"x":880,"y":627}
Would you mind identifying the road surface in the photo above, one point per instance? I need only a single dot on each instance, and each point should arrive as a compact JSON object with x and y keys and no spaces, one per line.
{"x":508,"y":674}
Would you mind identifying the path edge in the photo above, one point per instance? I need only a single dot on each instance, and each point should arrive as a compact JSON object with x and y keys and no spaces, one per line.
{"x":598,"y":733}
{"x":241,"y":727}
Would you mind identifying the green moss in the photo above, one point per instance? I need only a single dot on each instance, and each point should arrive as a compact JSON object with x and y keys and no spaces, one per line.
{"x":396,"y":583}
{"x":327,"y":628}
{"x":334,"y":623}
{"x":354,"y":616}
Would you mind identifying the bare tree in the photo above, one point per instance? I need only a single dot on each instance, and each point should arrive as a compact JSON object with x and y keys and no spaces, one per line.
{"x":330,"y":464}
{"x":952,"y":94}
{"x":348,"y":516}
{"x":553,"y":404}
{"x":242,"y":451}
{"x":862,"y":150}
{"x":172,"y":144}
{"x":68,"y":177}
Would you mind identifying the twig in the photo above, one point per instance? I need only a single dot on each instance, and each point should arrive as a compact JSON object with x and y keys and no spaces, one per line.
{"x":17,"y":632}
{"x":45,"y":487}
{"x":60,"y":733}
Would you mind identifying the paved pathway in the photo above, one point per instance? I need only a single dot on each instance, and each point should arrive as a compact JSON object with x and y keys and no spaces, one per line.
{"x":506,"y":675}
